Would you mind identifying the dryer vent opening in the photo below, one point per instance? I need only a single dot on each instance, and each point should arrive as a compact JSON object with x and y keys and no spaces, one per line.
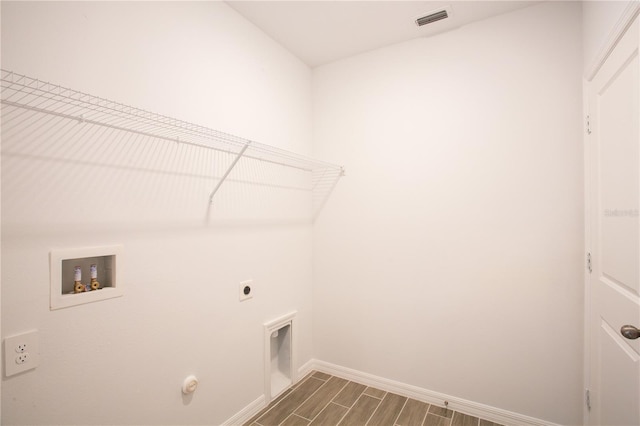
{"x":280,"y":355}
{"x":432,"y":17}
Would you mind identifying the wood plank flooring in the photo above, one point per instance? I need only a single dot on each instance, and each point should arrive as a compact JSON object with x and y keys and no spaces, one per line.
{"x":323,"y":400}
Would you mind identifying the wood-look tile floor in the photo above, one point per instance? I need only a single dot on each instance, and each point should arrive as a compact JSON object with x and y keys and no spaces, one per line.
{"x":324,"y":400}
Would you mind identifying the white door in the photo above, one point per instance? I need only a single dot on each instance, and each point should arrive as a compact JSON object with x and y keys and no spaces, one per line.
{"x":614,"y":193}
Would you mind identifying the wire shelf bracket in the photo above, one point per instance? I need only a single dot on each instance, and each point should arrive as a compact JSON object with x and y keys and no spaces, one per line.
{"x":226,"y":174}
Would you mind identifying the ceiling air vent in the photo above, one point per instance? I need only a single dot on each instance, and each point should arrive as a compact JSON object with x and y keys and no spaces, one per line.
{"x":433,"y":17}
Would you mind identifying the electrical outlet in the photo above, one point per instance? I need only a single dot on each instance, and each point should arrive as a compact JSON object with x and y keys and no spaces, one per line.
{"x":246,"y":290}
{"x":21,"y":353}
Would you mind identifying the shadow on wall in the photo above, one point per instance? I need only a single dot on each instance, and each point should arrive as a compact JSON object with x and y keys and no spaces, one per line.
{"x":62,"y":170}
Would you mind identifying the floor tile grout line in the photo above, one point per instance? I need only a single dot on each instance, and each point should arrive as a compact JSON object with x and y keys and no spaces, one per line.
{"x":297,"y":415}
{"x":348,"y":381}
{"x":444,"y":417}
{"x":304,"y":379}
{"x":343,"y":406}
{"x":400,"y":412}
{"x":367,"y":387}
{"x":287,"y":418}
{"x":294,"y":412}
{"x":374,"y":411}
{"x":424,"y":419}
{"x":375,"y":397}
{"x":327,"y":404}
{"x":324,"y":380}
{"x":300,"y":405}
{"x":310,"y":396}
{"x":354,"y":404}
{"x":274,"y":405}
{"x":346,"y":413}
{"x":262,"y":414}
{"x":268,"y":409}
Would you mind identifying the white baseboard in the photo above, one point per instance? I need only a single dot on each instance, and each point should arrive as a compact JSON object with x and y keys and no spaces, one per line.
{"x":471,"y":408}
{"x":486,"y":412}
{"x":246,"y":413}
{"x":254,"y":408}
{"x":306,"y":368}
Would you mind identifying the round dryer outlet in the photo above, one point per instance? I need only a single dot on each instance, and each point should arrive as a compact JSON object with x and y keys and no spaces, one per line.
{"x":246,"y":290}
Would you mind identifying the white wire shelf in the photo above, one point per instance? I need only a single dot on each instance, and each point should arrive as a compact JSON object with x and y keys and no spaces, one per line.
{"x":21,"y":91}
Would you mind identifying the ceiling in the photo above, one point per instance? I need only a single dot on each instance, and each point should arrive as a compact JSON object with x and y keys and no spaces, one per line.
{"x":319,"y":32}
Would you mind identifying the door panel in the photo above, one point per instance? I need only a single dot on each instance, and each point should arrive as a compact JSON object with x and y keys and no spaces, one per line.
{"x":618,"y":307}
{"x":614,"y":181}
{"x":620,"y":372}
{"x":617,"y":104}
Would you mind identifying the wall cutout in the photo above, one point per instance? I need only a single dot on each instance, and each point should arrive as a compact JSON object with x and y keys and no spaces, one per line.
{"x":279,"y":363}
{"x":84,"y":275}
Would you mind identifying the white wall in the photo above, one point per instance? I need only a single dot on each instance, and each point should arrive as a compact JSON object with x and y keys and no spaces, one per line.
{"x":123,"y":360}
{"x":450,"y":256}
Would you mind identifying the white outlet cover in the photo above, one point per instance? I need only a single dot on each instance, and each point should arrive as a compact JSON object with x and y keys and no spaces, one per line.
{"x":244,"y":284}
{"x":21,"y":353}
